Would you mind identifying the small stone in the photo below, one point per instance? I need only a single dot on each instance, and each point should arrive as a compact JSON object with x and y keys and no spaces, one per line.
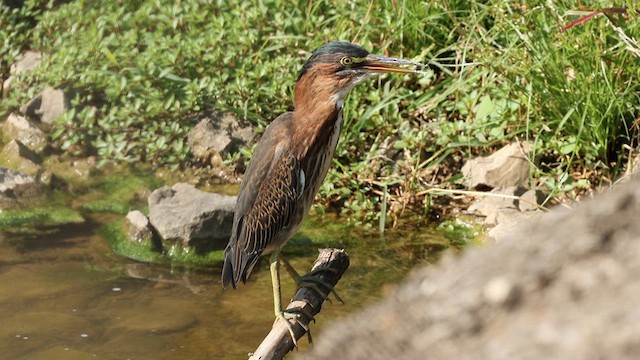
{"x":29,"y":60}
{"x":139,"y":227}
{"x":218,"y":135}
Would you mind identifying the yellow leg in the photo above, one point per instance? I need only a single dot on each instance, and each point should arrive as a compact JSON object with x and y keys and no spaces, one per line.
{"x":277,"y":296}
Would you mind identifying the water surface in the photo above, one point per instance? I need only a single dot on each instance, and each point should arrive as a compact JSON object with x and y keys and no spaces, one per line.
{"x":67,"y":296}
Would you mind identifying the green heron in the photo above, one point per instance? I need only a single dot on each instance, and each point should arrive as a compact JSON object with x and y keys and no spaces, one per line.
{"x":293,"y":157}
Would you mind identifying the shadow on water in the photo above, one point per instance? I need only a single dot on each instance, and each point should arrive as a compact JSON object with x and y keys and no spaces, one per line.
{"x":68,"y":296}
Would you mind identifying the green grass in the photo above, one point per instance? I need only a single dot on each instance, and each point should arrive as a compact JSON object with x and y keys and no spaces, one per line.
{"x":140,"y":73}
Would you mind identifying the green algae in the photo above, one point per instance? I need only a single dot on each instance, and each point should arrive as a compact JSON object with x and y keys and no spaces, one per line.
{"x":148,"y":250}
{"x":38,"y":219}
{"x":119,"y":192}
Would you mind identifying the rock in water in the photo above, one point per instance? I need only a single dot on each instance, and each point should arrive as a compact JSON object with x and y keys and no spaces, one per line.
{"x":192,"y":217}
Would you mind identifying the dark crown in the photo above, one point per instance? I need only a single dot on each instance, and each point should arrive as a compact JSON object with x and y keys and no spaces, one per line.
{"x":336,"y":47}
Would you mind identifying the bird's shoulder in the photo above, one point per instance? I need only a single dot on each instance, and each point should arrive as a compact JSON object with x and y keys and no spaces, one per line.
{"x":270,"y":166}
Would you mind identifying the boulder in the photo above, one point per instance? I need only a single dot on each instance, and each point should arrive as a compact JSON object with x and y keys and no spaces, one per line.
{"x":192,"y":217}
{"x":20,"y":128}
{"x":216,"y":136}
{"x":508,"y":166}
{"x":19,"y":157}
{"x":15,"y":187}
{"x":564,"y":286}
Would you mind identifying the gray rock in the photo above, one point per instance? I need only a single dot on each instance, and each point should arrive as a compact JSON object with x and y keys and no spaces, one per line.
{"x":19,"y":157}
{"x":19,"y":128}
{"x":55,"y":102}
{"x":47,"y":106}
{"x":563,"y":287}
{"x":32,"y":108}
{"x":506,"y":167}
{"x":138,"y":226}
{"x":195,"y":218}
{"x":15,"y":187}
{"x":29,"y":60}
{"x":216,"y":136}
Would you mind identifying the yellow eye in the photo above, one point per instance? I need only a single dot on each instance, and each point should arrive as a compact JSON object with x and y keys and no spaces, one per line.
{"x":346,"y":61}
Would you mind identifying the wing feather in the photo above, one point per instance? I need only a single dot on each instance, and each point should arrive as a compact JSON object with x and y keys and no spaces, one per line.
{"x":266,"y":203}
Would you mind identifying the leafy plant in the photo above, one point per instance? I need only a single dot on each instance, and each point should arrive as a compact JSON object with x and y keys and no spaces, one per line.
{"x":142,"y":72}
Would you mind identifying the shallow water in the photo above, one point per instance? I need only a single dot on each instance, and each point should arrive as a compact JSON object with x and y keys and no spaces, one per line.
{"x":67,"y":296}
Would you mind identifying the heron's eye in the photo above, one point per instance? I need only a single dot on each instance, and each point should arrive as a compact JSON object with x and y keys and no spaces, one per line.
{"x":346,"y":61}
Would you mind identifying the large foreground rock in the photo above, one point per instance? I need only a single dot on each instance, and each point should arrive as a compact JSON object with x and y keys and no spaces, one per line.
{"x":565,"y":287}
{"x":195,"y":218}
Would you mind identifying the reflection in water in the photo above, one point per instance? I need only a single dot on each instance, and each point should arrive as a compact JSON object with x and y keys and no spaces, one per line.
{"x":67,"y":296}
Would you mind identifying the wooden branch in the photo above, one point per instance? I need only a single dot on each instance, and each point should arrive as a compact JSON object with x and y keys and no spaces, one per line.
{"x":278,"y":342}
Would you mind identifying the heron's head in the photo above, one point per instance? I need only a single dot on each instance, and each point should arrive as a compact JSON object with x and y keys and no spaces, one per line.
{"x":335,"y":68}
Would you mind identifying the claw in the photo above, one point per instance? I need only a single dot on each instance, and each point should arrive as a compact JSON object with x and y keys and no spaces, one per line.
{"x":285,"y":317}
{"x":297,"y":311}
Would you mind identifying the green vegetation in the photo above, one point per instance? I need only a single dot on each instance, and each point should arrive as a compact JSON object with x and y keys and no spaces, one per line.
{"x":141,"y":72}
{"x":118,"y":195}
{"x":38,"y":220}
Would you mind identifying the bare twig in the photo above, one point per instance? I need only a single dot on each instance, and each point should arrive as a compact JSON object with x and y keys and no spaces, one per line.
{"x":307,"y":302}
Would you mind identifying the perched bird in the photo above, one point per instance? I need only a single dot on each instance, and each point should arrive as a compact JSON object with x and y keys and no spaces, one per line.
{"x":293,"y":156}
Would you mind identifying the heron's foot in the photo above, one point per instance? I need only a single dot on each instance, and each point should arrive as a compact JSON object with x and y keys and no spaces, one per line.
{"x":294,"y":314}
{"x":311,"y":282}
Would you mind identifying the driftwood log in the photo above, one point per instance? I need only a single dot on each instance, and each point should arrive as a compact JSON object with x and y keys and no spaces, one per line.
{"x":278,"y":342}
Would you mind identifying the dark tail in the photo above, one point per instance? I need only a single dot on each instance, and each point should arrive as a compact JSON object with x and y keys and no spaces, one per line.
{"x":227,"y":269}
{"x":237,"y":266}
